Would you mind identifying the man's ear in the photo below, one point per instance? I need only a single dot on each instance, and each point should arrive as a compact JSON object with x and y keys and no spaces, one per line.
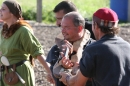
{"x":95,"y":25}
{"x":80,"y":28}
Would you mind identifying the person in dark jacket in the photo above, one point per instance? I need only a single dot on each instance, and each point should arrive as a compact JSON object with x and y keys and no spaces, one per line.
{"x":60,"y":10}
{"x":74,"y":35}
{"x":107,"y":61}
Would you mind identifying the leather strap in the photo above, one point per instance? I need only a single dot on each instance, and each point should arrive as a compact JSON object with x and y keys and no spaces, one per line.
{"x":12,"y":66}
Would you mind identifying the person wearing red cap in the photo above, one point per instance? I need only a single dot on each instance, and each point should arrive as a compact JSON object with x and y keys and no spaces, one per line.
{"x":106,"y":61}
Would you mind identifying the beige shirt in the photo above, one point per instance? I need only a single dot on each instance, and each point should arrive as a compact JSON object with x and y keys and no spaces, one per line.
{"x":78,"y":45}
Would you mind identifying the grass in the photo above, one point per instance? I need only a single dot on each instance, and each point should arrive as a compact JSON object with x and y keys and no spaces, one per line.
{"x":85,"y":7}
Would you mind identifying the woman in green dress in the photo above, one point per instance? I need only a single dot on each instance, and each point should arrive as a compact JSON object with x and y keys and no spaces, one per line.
{"x":17,"y":43}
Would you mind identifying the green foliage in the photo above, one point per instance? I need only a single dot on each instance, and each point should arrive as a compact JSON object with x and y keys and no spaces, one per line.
{"x":48,"y":16}
{"x":29,"y":15}
{"x":85,"y":7}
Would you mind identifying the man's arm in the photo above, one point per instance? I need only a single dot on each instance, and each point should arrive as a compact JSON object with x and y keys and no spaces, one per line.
{"x":77,"y":80}
{"x":80,"y":79}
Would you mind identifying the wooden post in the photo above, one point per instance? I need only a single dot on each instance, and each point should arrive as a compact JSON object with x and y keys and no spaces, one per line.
{"x":39,"y":11}
{"x":128,"y":10}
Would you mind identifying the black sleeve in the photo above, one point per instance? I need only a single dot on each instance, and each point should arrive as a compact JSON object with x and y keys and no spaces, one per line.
{"x":90,"y":41}
{"x":87,"y":65}
{"x":53,"y":55}
{"x":52,"y":58}
{"x":88,"y":26}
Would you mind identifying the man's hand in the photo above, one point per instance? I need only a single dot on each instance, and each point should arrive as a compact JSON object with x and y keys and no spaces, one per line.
{"x":66,"y":45}
{"x":66,"y":63}
{"x":75,"y":68}
{"x":76,"y":80}
{"x":64,"y":77}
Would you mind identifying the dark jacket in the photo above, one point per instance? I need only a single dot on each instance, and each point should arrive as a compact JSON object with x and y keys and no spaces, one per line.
{"x":107,"y":61}
{"x":88,"y":26}
{"x":52,"y":58}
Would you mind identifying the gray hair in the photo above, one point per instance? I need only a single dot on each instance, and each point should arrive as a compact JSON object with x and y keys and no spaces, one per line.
{"x":76,"y":17}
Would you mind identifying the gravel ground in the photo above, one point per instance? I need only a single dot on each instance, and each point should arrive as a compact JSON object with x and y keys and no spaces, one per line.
{"x":46,"y":35}
{"x":125,"y":32}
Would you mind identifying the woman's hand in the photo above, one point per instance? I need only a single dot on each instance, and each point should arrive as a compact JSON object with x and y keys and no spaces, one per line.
{"x":46,"y":66}
{"x":50,"y":78}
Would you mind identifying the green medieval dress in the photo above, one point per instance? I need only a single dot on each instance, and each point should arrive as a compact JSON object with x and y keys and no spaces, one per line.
{"x":19,"y":47}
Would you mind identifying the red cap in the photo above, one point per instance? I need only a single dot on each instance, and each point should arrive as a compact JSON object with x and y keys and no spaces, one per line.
{"x":106,"y":14}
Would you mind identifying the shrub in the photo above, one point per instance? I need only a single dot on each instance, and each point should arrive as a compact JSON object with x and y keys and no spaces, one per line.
{"x":48,"y":16}
{"x":29,"y":14}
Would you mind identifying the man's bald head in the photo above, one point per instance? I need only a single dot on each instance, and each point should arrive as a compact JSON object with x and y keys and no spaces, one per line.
{"x":76,"y":17}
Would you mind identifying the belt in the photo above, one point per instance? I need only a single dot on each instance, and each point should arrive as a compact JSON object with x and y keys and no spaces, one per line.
{"x":11,"y":66}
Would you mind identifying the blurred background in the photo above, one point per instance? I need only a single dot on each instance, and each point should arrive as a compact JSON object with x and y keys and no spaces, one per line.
{"x":43,"y":9}
{"x":85,"y":7}
{"x":39,"y":13}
